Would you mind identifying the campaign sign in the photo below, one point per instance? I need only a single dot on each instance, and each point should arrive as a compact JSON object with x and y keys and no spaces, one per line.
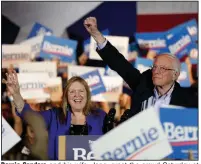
{"x":113,"y":85}
{"x":119,"y":42}
{"x":133,"y":141}
{"x":63,"y":49}
{"x":75,"y":70}
{"x":40,"y":67}
{"x":95,"y":82}
{"x":15,"y":54}
{"x":39,"y":29}
{"x":180,"y":44}
{"x":35,"y":43}
{"x":77,"y":147}
{"x":32,"y":85}
{"x":86,"y":43}
{"x":193,"y":54}
{"x":181,"y":128}
{"x":152,"y":41}
{"x":184,"y":79}
{"x":143,"y":64}
{"x":191,"y":26}
{"x":9,"y":136}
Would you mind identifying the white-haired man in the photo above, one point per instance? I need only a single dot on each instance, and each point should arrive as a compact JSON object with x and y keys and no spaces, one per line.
{"x":153,"y":87}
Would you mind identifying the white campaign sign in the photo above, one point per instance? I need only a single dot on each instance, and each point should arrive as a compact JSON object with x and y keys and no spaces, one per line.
{"x":39,"y":67}
{"x":139,"y":138}
{"x":114,"y":85}
{"x":79,"y":70}
{"x":35,"y":43}
{"x":121,"y":43}
{"x":15,"y":54}
{"x":9,"y":136}
{"x":32,"y":85}
{"x":56,"y":88}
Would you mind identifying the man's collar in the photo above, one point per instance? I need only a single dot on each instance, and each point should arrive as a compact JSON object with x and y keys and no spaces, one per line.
{"x":169,"y":92}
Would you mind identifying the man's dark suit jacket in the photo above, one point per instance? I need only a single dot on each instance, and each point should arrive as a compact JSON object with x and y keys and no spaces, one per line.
{"x":141,"y":84}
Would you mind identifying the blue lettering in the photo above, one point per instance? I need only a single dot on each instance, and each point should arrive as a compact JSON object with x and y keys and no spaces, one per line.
{"x":106,"y":156}
{"x":153,"y":133}
{"x":118,"y":154}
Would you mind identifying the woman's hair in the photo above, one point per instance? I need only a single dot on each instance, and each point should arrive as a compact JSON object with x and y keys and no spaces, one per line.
{"x":65,"y":104}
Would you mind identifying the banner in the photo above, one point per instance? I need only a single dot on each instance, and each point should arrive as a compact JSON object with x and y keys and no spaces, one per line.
{"x":143,"y":64}
{"x":95,"y":82}
{"x":184,"y":79}
{"x":180,"y":44}
{"x":39,"y":29}
{"x":35,"y":43}
{"x":15,"y":54}
{"x":39,"y":67}
{"x":181,"y":128}
{"x":32,"y":85}
{"x":113,"y":85}
{"x":191,"y":26}
{"x":86,"y":43}
{"x":119,"y":42}
{"x":9,"y":136}
{"x":55,"y":88}
{"x":79,"y":70}
{"x":133,"y":141}
{"x":152,"y":41}
{"x":63,"y":49}
{"x":76,"y":147}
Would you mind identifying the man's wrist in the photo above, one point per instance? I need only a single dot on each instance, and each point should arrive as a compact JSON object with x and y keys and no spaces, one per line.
{"x":98,"y":37}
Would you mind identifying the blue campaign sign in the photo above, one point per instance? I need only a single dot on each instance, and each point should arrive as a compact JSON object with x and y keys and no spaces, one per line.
{"x":183,"y":79}
{"x":87,"y":42}
{"x":179,"y":44}
{"x":95,"y":82}
{"x":152,"y":41}
{"x":193,"y":54}
{"x":181,"y":127}
{"x":191,"y":26}
{"x":54,"y":47}
{"x":39,"y":29}
{"x":143,"y":64}
{"x":77,"y":147}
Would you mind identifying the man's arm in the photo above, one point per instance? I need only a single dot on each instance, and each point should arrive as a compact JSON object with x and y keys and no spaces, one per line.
{"x":111,"y":56}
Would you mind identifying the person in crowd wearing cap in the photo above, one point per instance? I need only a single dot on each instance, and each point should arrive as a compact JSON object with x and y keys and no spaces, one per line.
{"x":155,"y":86}
{"x":73,"y":117}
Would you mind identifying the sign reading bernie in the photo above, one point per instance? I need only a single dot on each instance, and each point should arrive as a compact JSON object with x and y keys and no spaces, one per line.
{"x":15,"y":54}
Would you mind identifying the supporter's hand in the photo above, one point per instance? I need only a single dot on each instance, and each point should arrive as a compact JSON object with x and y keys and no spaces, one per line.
{"x":12,"y":82}
{"x":83,"y":59}
{"x":151,"y":54}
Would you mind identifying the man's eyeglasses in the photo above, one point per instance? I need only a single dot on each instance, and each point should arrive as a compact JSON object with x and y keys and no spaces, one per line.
{"x":161,"y":69}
